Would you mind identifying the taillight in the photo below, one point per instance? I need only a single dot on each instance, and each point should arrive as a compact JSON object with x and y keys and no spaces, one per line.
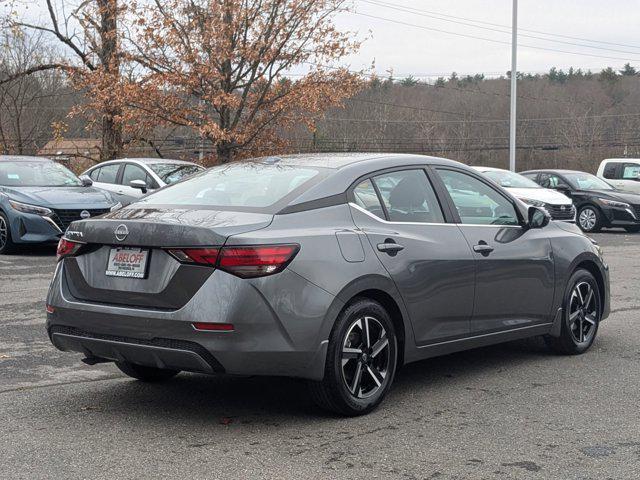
{"x":245,"y":262}
{"x":202,"y":256}
{"x":67,"y":248}
{"x":258,"y":261}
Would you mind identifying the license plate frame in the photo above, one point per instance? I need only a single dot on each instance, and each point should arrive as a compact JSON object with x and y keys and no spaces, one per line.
{"x":123,"y":268}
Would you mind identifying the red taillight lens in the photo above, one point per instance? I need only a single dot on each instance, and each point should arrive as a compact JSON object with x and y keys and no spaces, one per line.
{"x":213,"y":327}
{"x":258,"y":261}
{"x":67,"y":248}
{"x":245,"y":262}
{"x":202,"y":256}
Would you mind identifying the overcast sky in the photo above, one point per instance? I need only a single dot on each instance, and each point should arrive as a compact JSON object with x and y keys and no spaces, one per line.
{"x":611,"y":25}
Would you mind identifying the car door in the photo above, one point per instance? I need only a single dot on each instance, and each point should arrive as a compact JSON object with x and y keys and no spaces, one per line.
{"x":629,"y":177}
{"x":427,"y":257}
{"x":106,"y":178}
{"x":515,"y":270}
{"x":130,"y":173}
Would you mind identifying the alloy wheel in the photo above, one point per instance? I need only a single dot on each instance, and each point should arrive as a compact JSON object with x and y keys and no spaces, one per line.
{"x":583,"y":312}
{"x":587,"y":219}
{"x":4,"y":232}
{"x":365,"y":357}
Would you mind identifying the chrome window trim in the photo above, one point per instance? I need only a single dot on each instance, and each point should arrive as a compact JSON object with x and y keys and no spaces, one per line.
{"x":381,"y":220}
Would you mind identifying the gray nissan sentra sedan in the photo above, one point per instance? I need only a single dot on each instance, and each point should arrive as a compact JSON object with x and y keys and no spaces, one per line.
{"x":334,"y":268}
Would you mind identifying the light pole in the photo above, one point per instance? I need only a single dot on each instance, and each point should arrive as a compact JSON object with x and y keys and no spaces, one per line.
{"x":514,"y":84}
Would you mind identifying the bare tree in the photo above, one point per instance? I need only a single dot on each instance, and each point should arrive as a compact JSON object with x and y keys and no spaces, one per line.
{"x":28,"y":104}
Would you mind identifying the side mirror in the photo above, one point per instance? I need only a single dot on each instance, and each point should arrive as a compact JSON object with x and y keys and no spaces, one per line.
{"x":86,"y":180}
{"x":139,"y":184}
{"x":538,"y":218}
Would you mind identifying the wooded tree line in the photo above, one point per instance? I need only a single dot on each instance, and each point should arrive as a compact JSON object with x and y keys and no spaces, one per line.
{"x":567,"y":119}
{"x":176,"y":77}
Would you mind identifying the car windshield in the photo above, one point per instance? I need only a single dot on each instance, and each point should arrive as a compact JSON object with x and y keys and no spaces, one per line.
{"x":36,"y":174}
{"x":508,"y":179}
{"x":244,"y":185}
{"x":586,"y":181}
{"x":172,"y":172}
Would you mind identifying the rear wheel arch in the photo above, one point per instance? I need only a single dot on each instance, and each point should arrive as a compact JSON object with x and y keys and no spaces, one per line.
{"x":394,"y":311}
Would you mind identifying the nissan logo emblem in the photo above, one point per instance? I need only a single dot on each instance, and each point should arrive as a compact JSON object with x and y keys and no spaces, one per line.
{"x":121,"y":232}
{"x":84,"y":214}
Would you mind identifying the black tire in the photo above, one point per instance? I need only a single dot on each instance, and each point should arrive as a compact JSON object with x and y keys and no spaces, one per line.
{"x":591,"y":213}
{"x":146,"y":374}
{"x":366,"y":392}
{"x":569,"y":342}
{"x":633,"y":229}
{"x":6,"y":242}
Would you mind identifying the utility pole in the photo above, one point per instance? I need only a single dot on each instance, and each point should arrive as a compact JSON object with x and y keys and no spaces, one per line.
{"x":514,"y":83}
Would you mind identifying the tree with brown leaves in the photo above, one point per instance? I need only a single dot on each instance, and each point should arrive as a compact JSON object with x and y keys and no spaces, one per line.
{"x":224,"y":68}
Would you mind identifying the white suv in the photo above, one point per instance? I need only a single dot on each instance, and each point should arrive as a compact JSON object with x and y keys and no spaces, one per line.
{"x":559,"y":206}
{"x":622,"y":173}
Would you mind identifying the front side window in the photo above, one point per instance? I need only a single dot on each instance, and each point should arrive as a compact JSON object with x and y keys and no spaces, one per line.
{"x":409,"y":197}
{"x":244,"y":185}
{"x":93,"y":174}
{"x":550,"y":180}
{"x":476,"y":202}
{"x":134,"y":172}
{"x":36,"y":174}
{"x":366,"y":197}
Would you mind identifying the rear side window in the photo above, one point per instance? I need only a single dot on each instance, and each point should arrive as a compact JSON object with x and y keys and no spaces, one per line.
{"x":366,"y":197}
{"x":409,"y":197}
{"x":610,"y":170}
{"x":245,"y":185}
{"x":108,"y":173}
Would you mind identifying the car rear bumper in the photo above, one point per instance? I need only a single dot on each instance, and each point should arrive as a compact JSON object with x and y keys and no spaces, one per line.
{"x":279,"y":327}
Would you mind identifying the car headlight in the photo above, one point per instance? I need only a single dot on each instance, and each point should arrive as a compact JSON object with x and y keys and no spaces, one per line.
{"x":535,"y":203}
{"x":613,"y":203}
{"x":116,"y":207}
{"x":26,"y":208}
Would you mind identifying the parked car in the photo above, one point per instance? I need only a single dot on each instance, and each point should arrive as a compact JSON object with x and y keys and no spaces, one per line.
{"x":622,"y":173}
{"x":298,"y":276}
{"x":131,"y":178}
{"x":39,"y":198}
{"x":559,"y":206}
{"x":599,"y":204}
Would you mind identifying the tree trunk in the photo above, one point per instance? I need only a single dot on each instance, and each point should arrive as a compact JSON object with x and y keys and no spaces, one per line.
{"x":112,"y":143}
{"x":225,"y":152}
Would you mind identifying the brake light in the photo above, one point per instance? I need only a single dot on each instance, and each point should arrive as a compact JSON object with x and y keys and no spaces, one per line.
{"x":257,"y":261}
{"x":67,"y":248}
{"x":202,"y":256}
{"x":244,"y":262}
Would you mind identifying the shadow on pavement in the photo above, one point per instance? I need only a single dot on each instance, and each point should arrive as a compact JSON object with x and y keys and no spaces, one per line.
{"x":267,"y":401}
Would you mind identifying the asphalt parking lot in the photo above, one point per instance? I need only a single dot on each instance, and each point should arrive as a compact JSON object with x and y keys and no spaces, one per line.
{"x":510,"y":411}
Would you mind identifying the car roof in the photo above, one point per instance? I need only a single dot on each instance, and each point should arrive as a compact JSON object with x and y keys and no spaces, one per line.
{"x":489,"y":169}
{"x":553,"y":170}
{"x":341,"y":160}
{"x":148,"y":161}
{"x":23,"y":158}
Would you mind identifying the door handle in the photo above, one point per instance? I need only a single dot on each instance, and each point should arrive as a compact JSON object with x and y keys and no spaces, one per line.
{"x":483,"y":249}
{"x":390,"y":248}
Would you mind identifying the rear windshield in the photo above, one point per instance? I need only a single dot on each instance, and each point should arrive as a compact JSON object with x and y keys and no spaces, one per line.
{"x":36,"y":174}
{"x":245,"y":185}
{"x":173,"y":172}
